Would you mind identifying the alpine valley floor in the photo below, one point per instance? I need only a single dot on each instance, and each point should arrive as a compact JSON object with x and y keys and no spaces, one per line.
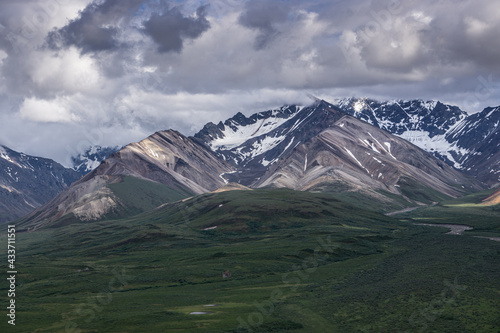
{"x":299,"y":262}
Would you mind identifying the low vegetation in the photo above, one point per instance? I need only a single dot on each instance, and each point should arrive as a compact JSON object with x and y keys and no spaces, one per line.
{"x":299,"y":262}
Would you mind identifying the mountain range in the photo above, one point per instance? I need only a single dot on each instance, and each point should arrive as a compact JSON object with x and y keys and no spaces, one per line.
{"x":317,"y":148}
{"x":337,"y":147}
{"x":470,"y":143}
{"x":166,"y":166}
{"x":297,"y":219}
{"x":27,"y":182}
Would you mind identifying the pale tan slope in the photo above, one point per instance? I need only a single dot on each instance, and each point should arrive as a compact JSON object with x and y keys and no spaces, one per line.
{"x":169,"y":158}
{"x":364,"y":158}
{"x":493,"y":199}
{"x":232,"y":187}
{"x":165,"y":157}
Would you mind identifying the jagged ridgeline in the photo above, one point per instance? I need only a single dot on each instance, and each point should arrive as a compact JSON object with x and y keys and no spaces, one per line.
{"x":27,"y":182}
{"x":253,"y":150}
{"x":319,"y":148}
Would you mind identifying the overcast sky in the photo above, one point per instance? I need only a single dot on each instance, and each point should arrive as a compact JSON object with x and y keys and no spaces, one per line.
{"x":76,"y":73}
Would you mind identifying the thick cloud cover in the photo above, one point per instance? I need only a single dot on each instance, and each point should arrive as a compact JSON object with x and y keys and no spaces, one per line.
{"x":264,"y":16}
{"x":169,"y":28}
{"x":82,"y":72}
{"x":95,"y":28}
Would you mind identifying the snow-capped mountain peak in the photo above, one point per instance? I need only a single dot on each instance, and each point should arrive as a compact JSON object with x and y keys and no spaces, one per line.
{"x":259,"y":141}
{"x":462,"y":140}
{"x":234,"y":134}
{"x":91,"y":158}
{"x":238,"y":129}
{"x":438,"y":128}
{"x":233,"y":138}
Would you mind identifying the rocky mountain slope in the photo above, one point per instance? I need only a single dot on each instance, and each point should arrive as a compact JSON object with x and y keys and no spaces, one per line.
{"x":477,"y":138}
{"x":320,"y":146}
{"x":470,"y":143}
{"x":27,"y":182}
{"x":493,"y":199}
{"x":180,"y":164}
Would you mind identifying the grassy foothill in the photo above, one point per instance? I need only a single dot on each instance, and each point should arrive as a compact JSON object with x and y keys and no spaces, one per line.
{"x":299,"y":262}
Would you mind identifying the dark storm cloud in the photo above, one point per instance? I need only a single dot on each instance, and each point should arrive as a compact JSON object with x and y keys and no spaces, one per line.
{"x":264,"y":16}
{"x":93,"y":30}
{"x":170,"y":28}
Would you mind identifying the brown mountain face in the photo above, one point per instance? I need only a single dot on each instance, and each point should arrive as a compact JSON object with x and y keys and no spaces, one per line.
{"x":169,"y":158}
{"x":355,"y":156}
{"x":317,"y":148}
{"x":166,"y":157}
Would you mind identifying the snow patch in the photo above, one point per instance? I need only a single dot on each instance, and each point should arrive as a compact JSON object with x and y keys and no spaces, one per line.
{"x":264,"y":145}
{"x":232,"y":138}
{"x":153,"y":153}
{"x":221,"y":176}
{"x":210,"y":228}
{"x":8,"y":188}
{"x":430,"y":105}
{"x":5,"y":156}
{"x":437,"y":144}
{"x":489,"y":113}
{"x":358,"y":106}
{"x":297,"y":123}
{"x":388,"y":144}
{"x":354,"y":157}
{"x":265,"y":162}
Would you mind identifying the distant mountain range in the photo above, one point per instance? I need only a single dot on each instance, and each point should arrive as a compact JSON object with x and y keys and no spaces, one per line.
{"x":27,"y":182}
{"x":470,"y":143}
{"x":353,"y":146}
{"x":313,"y":148}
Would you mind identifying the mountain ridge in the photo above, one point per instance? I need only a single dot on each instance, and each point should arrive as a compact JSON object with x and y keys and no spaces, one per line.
{"x":318,"y":122}
{"x":166,"y":158}
{"x":274,"y":145}
{"x":465,"y":141}
{"x":28,"y":182}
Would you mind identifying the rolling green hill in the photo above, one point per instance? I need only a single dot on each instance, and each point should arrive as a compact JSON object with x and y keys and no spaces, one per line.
{"x":139,"y":195}
{"x":299,"y":262}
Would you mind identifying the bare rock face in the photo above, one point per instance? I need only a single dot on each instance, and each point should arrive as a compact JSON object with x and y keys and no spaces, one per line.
{"x":303,"y":148}
{"x":166,"y":157}
{"x":468,"y":142}
{"x":493,"y":199}
{"x":364,"y":158}
{"x":319,"y":145}
{"x":169,"y":158}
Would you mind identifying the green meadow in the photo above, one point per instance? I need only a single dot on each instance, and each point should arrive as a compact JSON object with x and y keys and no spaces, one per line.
{"x":299,"y":262}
